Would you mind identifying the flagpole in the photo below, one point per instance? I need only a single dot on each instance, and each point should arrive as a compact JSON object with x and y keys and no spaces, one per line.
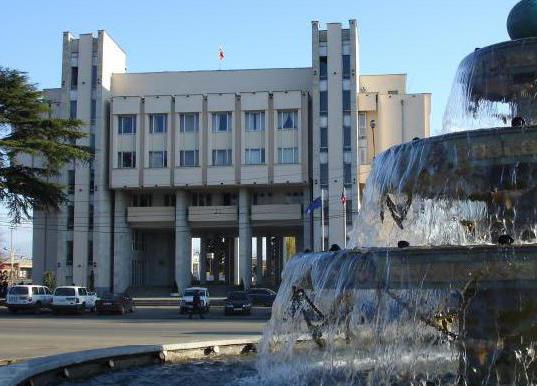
{"x":345,"y":218}
{"x":322,"y":219}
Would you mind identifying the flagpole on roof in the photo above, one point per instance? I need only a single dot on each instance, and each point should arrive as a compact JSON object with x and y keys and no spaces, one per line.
{"x":322,"y":219}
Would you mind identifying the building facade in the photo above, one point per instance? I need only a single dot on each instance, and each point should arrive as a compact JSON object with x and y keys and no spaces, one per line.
{"x":231,"y":158}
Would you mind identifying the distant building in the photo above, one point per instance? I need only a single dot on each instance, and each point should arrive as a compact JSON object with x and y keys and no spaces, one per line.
{"x":225,"y":156}
{"x":21,"y":270}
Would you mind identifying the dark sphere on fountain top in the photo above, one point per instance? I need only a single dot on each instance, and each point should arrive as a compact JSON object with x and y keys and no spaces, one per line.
{"x":522,"y":20}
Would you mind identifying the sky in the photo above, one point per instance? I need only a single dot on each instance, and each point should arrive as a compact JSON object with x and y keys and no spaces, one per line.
{"x":425,"y":39}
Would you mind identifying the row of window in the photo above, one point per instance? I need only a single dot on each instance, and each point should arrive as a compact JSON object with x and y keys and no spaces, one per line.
{"x":220,"y":157}
{"x":345,"y":64}
{"x":323,"y":101}
{"x":70,"y":252}
{"x":323,"y":174}
{"x":221,"y":122}
{"x":347,"y":139}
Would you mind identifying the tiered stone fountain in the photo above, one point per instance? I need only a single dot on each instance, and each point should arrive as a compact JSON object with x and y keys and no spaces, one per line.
{"x":462,"y":208}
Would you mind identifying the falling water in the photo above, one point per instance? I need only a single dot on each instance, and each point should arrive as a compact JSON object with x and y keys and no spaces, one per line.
{"x":493,"y":85}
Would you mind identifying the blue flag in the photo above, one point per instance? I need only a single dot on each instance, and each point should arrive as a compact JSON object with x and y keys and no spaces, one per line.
{"x":314,"y":205}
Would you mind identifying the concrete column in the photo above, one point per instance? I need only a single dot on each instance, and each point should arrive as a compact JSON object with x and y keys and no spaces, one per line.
{"x":183,"y":243}
{"x":122,"y":244}
{"x":245,"y":237}
{"x":268,"y":257}
{"x":259,"y":270}
{"x":307,"y":223}
{"x":203,"y":261}
{"x":236,"y":274}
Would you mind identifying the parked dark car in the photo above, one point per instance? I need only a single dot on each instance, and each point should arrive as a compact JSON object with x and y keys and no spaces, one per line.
{"x":120,"y":303}
{"x":262,"y":296}
{"x":238,"y":302}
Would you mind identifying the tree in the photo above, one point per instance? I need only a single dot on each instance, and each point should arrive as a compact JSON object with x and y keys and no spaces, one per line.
{"x":49,"y":280}
{"x":26,"y":129}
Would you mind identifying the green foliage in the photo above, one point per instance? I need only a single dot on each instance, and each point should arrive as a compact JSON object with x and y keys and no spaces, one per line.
{"x":49,"y":280}
{"x":27,"y":129}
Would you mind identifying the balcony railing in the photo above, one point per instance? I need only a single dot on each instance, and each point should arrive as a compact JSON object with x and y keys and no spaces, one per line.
{"x":276,"y":212}
{"x":212,"y":213}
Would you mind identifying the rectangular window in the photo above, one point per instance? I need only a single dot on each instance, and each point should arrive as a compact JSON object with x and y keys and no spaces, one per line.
{"x":346,"y":66}
{"x":146,"y":200}
{"x":69,"y":253}
{"x":90,"y":217}
{"x":346,"y":100}
{"x":288,"y":119}
{"x":74,"y":78}
{"x":93,"y":111}
{"x":324,"y":137}
{"x":347,"y":174}
{"x":189,"y":158}
{"x":255,"y":120}
{"x":72,"y":109}
{"x":126,"y":159}
{"x":90,"y":252}
{"x":348,"y":210}
{"x":288,"y":155}
{"x":254,"y":156}
{"x":362,"y":125}
{"x":157,"y":123}
{"x":93,"y":76}
{"x":92,"y":180}
{"x":126,"y":124}
{"x":70,"y":217}
{"x":323,"y":177}
{"x":222,"y":157}
{"x":347,"y":137}
{"x":323,"y":102}
{"x":70,"y":181}
{"x":323,"y":67}
{"x":158,"y":159}
{"x":221,"y":122}
{"x":202,"y":199}
{"x":188,"y":122}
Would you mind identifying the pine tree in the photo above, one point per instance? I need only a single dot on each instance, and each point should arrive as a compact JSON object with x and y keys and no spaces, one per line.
{"x":25,"y":129}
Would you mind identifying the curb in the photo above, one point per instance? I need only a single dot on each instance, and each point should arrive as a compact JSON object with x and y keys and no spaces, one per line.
{"x":82,"y":364}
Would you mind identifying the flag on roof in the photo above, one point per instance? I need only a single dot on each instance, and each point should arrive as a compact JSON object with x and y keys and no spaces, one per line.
{"x":221,"y":54}
{"x":343,"y":198}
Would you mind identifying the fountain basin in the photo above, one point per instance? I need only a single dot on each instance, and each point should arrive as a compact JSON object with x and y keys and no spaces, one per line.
{"x":84,"y":364}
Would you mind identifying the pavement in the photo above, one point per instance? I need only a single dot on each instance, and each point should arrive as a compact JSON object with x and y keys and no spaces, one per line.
{"x":25,"y":335}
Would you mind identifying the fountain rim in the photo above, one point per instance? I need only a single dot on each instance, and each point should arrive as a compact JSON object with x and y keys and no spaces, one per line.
{"x":485,"y":132}
{"x":59,"y":365}
{"x":500,"y":45}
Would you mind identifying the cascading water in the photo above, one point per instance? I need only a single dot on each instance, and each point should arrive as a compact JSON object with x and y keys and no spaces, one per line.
{"x":457,"y":306}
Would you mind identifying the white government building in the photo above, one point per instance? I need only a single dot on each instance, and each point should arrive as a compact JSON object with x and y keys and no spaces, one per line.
{"x":232,"y":157}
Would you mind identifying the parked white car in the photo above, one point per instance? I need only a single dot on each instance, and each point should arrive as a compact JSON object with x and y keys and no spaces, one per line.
{"x":73,"y":298}
{"x":188,"y":297}
{"x":28,"y":297}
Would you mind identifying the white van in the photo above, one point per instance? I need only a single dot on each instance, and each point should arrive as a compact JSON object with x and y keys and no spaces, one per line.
{"x":28,"y":297}
{"x":187,"y":299}
{"x":73,"y":298}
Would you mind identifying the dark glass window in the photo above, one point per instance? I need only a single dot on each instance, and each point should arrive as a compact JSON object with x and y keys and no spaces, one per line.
{"x":324,"y":136}
{"x":347,"y":174}
{"x":70,"y":217}
{"x":347,"y":136}
{"x":346,"y":100}
{"x":348,"y":210}
{"x":71,"y":181}
{"x":72,"y":109}
{"x":69,"y":253}
{"x":93,"y":76}
{"x":324,"y":175}
{"x":74,"y":78}
{"x":90,"y":217}
{"x":346,"y":66}
{"x":323,"y":101}
{"x":90,"y":252}
{"x":93,"y":111}
{"x":323,"y":67}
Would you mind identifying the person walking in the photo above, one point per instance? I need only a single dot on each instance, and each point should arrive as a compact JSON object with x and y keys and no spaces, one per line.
{"x":196,"y":305}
